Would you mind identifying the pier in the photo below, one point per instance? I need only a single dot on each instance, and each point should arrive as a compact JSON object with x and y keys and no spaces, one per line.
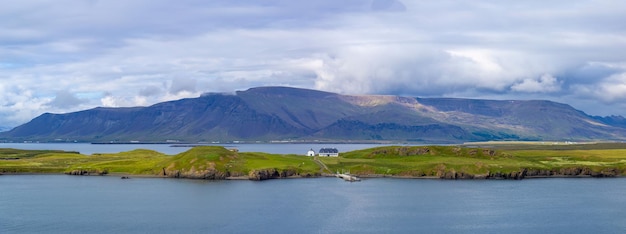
{"x":347,"y":177}
{"x":344,"y":176}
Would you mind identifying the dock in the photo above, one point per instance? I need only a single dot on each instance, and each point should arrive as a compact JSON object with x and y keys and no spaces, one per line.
{"x":348,"y":177}
{"x":344,"y":176}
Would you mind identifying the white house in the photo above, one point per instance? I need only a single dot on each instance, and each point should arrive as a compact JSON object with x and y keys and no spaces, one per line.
{"x":310,"y":153}
{"x":328,"y":152}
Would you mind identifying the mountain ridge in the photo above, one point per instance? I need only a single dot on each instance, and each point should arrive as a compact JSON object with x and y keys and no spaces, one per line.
{"x":284,"y":113}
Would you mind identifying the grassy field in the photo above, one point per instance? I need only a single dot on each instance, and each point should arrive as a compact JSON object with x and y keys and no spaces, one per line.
{"x":40,"y":161}
{"x":422,"y":161}
{"x":214,"y":161}
{"x":211,"y":162}
{"x":192,"y":163}
{"x":438,"y":160}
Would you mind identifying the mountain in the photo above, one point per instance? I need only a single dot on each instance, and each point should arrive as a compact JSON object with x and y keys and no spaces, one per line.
{"x":281,"y":113}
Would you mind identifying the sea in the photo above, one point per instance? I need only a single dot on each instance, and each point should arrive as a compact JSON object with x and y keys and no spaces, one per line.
{"x":108,"y":204}
{"x":172,"y":149}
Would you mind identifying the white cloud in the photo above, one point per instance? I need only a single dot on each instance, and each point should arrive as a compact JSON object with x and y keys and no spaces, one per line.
{"x":546,"y":83}
{"x":159,"y":50}
{"x":18,"y":104}
{"x":109,"y":101}
{"x":183,"y":85}
{"x":123,"y":101}
{"x":610,"y":89}
{"x":64,"y":100}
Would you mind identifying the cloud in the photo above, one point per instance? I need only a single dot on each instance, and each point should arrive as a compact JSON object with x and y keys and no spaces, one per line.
{"x":19,"y":104}
{"x":150,"y":91}
{"x":110,"y":100}
{"x":183,"y":85}
{"x":545,"y":83}
{"x":159,"y":50}
{"x":388,"y":5}
{"x":611,"y":89}
{"x":64,"y":99}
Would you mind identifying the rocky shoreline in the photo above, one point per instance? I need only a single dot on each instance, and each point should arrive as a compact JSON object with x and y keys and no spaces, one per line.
{"x":272,"y":173}
{"x":575,"y":172}
{"x":263,"y":176}
{"x":212,"y":174}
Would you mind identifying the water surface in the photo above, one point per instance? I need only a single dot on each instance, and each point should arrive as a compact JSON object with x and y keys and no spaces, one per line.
{"x":88,"y":149}
{"x":70,"y":204}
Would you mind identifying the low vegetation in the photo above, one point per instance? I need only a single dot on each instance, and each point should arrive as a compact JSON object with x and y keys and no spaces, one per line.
{"x":464,"y":162}
{"x":207,"y":162}
{"x":450,"y":162}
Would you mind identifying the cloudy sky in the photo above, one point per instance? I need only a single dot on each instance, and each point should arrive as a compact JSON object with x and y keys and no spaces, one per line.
{"x":66,"y":55}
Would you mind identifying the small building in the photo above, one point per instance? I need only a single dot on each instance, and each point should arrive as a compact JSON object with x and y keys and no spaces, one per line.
{"x":328,"y":152}
{"x":310,"y":153}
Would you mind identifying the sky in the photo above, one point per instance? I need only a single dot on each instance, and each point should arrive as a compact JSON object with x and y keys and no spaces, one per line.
{"x":61,"y":56}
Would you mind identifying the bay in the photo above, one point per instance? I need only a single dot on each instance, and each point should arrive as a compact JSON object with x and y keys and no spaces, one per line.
{"x":73,"y":204}
{"x":278,"y":148}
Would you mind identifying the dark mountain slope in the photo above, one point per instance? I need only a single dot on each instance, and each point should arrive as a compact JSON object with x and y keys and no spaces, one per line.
{"x":307,"y":109}
{"x":213,"y":117}
{"x":279,"y":113}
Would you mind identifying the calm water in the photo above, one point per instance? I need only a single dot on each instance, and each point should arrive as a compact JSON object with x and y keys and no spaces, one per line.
{"x":89,"y":149}
{"x":70,"y":204}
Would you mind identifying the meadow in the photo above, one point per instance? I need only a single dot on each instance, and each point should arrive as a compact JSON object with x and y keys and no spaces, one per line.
{"x":488,"y":160}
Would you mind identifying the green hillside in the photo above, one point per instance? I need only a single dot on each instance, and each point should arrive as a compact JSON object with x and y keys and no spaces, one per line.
{"x":448,"y":162}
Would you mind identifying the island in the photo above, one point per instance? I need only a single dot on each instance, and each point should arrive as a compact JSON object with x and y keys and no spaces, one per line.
{"x":470,"y":161}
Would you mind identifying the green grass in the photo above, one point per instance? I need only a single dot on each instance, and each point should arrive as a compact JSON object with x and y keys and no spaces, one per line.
{"x":208,"y":158}
{"x":538,"y":145}
{"x":41,"y":163}
{"x":132,"y":162}
{"x":203,"y":158}
{"x":139,"y":161}
{"x":391,"y":160}
{"x":420,"y":161}
{"x":299,"y":163}
{"x":595,"y":158}
{"x":435,"y":160}
{"x":19,"y":154}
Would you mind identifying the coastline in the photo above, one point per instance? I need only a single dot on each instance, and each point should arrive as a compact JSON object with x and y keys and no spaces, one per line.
{"x":367,"y":176}
{"x":401,"y":162}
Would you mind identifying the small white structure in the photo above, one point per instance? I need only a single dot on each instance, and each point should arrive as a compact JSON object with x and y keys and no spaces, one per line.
{"x":328,"y":152}
{"x":310,"y":153}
